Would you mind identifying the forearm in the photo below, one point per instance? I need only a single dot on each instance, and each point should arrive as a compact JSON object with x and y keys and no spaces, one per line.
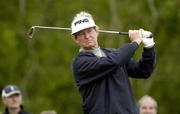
{"x":122,"y":55}
{"x":145,"y":66}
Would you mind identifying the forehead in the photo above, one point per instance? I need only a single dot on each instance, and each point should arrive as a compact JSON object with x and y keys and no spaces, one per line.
{"x":147,"y":103}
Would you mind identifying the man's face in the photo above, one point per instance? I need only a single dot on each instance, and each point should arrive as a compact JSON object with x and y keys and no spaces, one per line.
{"x":87,"y":38}
{"x":147,"y":107}
{"x":13,"y":101}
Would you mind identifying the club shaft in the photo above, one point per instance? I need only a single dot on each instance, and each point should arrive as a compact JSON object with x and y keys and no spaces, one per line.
{"x":56,"y":28}
{"x":32,"y":30}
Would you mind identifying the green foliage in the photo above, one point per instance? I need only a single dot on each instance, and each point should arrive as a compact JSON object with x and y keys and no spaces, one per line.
{"x":42,"y":66}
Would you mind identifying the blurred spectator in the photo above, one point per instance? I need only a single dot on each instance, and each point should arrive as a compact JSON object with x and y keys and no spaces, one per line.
{"x":147,"y":105}
{"x":48,"y":112}
{"x":12,"y":100}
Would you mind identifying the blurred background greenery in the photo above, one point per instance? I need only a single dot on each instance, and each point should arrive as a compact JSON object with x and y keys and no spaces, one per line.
{"x":42,"y":66}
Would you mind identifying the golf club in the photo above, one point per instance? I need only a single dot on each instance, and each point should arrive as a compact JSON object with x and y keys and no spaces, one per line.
{"x":33,"y":29}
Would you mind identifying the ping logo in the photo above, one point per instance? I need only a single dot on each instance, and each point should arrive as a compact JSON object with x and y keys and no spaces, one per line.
{"x":81,"y":21}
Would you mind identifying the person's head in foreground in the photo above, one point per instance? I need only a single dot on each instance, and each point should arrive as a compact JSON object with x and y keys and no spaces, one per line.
{"x":49,"y":112}
{"x":147,"y":105}
{"x":12,"y":100}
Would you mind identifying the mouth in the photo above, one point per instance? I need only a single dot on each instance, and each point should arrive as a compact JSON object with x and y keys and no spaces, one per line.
{"x":90,"y":42}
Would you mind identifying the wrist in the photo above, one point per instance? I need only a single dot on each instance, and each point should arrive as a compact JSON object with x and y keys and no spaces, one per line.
{"x":137,"y":42}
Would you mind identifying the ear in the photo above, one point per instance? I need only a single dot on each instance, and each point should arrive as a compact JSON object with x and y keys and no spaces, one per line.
{"x":97,"y":29}
{"x":74,"y":39}
{"x":4,"y":100}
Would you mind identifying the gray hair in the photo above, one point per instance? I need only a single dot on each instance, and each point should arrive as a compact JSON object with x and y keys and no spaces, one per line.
{"x":147,"y":97}
{"x":83,"y":14}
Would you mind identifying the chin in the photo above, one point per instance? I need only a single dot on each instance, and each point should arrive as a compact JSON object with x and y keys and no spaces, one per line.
{"x":15,"y":106}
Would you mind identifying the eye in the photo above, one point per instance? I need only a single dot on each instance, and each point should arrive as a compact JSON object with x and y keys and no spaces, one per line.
{"x":80,"y":34}
{"x":90,"y":30}
{"x":151,"y":108}
{"x":144,"y":107}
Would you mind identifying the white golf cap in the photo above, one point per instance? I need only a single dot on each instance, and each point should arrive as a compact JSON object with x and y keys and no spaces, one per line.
{"x":82,"y":21}
{"x":10,"y":90}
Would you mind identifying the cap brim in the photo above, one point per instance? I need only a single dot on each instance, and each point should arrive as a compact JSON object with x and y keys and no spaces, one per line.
{"x":83,"y":28}
{"x":12,"y":93}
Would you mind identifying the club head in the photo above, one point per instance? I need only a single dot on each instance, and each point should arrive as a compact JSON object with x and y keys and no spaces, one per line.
{"x":31,"y":32}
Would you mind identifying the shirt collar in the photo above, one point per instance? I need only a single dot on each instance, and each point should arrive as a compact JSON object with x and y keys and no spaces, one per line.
{"x":97,"y":51}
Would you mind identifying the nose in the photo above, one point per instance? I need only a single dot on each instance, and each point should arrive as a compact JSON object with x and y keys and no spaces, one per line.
{"x":86,"y":34}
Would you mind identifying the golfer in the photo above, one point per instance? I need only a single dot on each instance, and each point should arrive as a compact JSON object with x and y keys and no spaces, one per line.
{"x":102,"y":74}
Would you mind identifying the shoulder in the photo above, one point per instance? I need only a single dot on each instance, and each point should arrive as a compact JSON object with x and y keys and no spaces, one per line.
{"x":83,"y":55}
{"x":109,"y":49}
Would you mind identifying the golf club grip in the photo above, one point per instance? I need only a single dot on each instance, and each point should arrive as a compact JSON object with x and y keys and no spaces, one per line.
{"x":123,"y":33}
{"x":114,"y":32}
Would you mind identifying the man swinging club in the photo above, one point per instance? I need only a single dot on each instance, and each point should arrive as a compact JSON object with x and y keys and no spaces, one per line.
{"x":101,"y":74}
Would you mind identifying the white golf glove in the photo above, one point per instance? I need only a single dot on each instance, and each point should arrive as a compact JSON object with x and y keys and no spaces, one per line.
{"x":147,"y":39}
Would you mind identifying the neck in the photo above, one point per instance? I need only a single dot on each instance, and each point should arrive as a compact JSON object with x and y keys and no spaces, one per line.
{"x":14,"y":110}
{"x":97,"y":51}
{"x":89,"y":49}
{"x":84,"y":49}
